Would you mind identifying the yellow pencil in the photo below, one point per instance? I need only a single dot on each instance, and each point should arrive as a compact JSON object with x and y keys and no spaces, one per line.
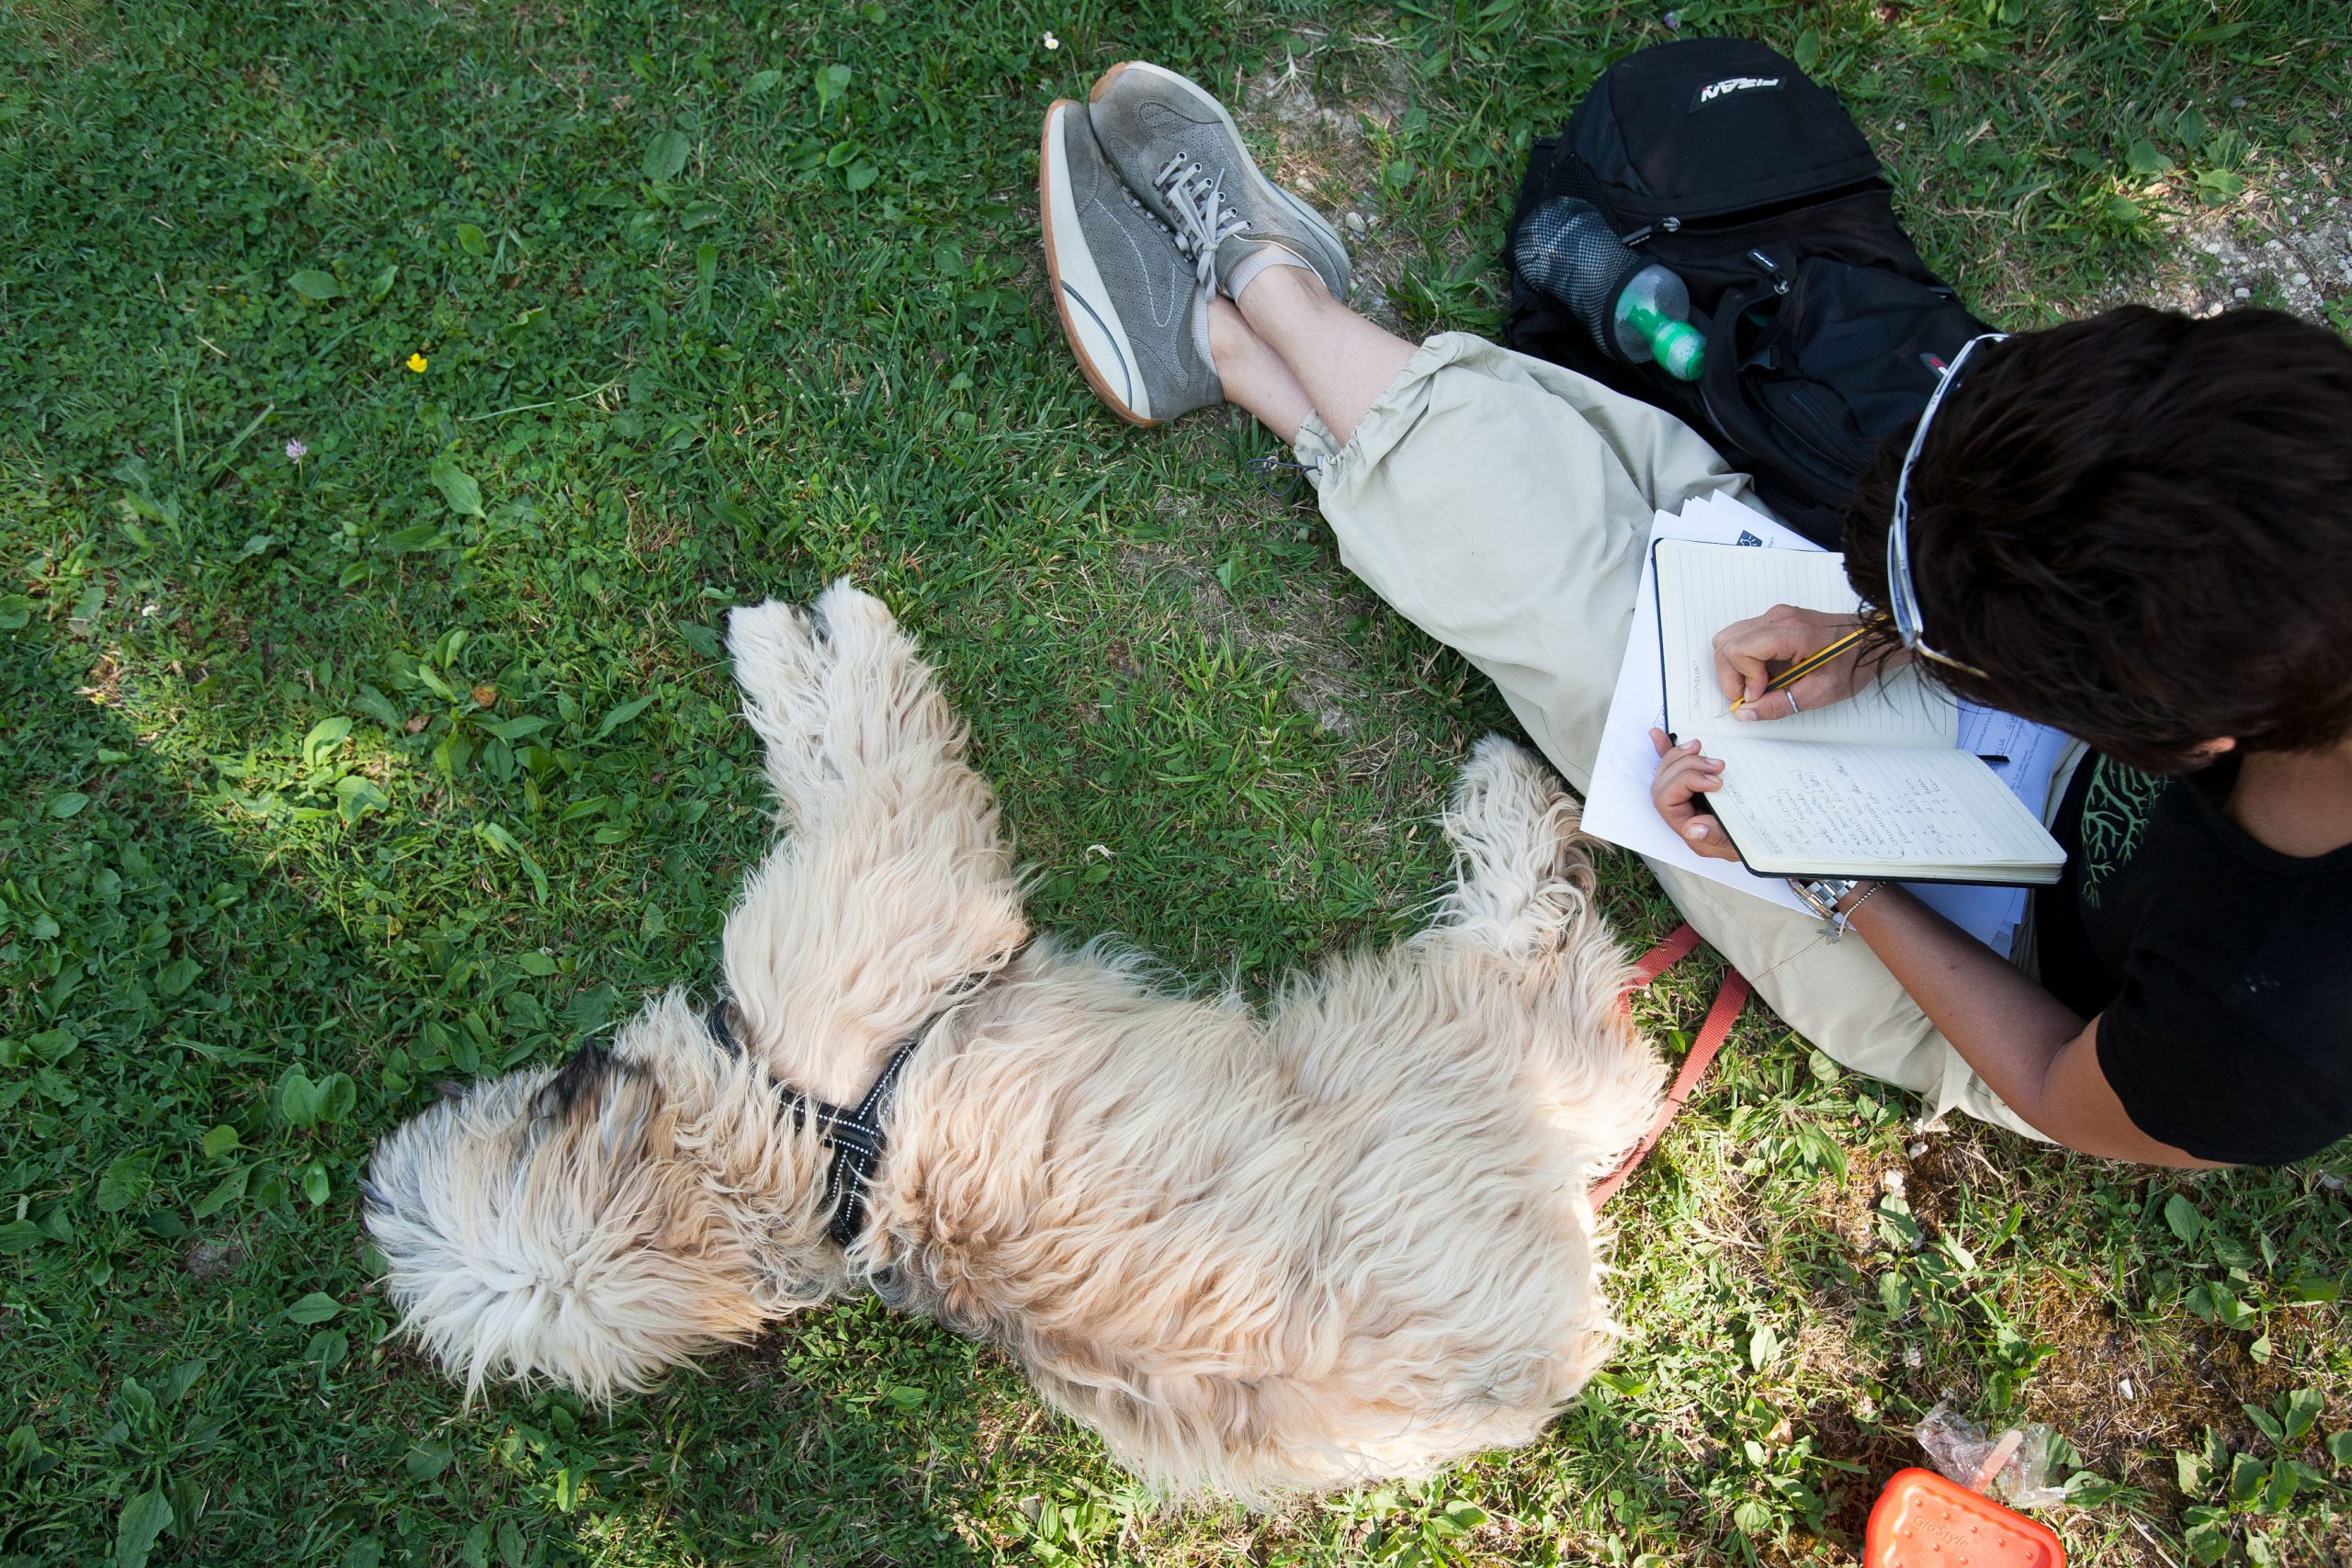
{"x":1804,"y":667}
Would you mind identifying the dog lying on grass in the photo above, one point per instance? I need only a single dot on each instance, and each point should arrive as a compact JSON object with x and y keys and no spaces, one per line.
{"x":1260,"y":1256}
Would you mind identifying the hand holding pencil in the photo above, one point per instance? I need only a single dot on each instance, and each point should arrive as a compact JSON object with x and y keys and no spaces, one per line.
{"x":1817,"y":653}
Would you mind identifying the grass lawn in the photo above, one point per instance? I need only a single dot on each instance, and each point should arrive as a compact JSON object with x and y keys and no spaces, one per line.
{"x":324,"y":780}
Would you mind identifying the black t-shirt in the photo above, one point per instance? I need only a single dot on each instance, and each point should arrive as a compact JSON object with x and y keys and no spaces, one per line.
{"x":2220,"y":970}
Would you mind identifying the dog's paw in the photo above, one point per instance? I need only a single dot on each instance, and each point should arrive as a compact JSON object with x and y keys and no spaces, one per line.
{"x":780,"y":650}
{"x":1504,"y":799}
{"x":1520,"y":872}
{"x":866,"y":638}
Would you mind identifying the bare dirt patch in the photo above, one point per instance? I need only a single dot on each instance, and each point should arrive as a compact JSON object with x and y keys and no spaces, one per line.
{"x":213,"y":1259}
{"x":1324,"y":150}
{"x":2286,"y":242}
{"x":2126,"y":1389}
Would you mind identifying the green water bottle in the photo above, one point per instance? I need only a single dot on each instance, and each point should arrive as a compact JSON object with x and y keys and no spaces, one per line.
{"x":1652,"y":318}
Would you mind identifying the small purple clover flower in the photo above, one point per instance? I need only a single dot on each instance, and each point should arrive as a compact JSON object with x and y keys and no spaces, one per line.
{"x":296,"y":450}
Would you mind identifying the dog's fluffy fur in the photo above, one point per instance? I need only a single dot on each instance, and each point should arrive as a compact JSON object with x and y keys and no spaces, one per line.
{"x":1349,"y":1239}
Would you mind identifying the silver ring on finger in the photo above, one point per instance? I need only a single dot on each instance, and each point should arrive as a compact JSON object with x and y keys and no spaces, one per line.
{"x":1791,"y":696}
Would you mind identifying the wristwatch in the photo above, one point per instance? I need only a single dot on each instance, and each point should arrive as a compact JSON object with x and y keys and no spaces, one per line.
{"x":1822,"y":895}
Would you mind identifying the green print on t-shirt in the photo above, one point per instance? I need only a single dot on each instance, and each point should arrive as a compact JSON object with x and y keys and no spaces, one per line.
{"x":2115,"y":809}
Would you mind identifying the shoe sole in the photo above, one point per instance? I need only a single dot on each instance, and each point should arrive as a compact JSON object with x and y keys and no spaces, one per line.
{"x":1262,"y":188}
{"x":1105,"y":356}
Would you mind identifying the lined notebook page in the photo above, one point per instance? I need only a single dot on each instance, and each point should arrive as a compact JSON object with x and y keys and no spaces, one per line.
{"x":1822,"y":808}
{"x":1703,"y":588}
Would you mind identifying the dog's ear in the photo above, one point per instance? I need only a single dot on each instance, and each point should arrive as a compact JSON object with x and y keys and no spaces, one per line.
{"x":583,"y":1076}
{"x":597,"y":1087}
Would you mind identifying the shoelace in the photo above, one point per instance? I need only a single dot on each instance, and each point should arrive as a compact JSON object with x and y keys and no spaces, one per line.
{"x":1182,"y":243}
{"x":1205,"y":219}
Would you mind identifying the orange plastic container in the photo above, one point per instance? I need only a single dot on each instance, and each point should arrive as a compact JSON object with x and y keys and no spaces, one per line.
{"x":1922,"y":1521}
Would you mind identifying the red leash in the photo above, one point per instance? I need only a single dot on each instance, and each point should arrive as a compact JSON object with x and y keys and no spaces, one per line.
{"x":1703,"y":1046}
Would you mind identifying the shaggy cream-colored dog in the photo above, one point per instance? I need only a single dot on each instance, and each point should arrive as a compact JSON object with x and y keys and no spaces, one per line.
{"x":1349,"y":1239}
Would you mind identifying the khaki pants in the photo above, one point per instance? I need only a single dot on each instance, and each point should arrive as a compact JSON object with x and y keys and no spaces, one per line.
{"x":1501,"y":504}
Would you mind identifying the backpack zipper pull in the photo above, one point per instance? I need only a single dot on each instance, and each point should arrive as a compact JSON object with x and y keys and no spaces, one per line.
{"x":1780,"y":279}
{"x":1671,"y":225}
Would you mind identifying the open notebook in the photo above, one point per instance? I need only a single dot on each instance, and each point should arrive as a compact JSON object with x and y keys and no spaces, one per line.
{"x":1872,"y":786}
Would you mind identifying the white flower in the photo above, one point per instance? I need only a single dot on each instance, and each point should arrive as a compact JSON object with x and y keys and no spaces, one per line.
{"x":297,"y":451}
{"x":1052,"y":43}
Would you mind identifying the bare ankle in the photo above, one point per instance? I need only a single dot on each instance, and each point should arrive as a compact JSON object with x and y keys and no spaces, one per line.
{"x":1252,"y":374}
{"x":1281,"y":292}
{"x":1232,"y":344}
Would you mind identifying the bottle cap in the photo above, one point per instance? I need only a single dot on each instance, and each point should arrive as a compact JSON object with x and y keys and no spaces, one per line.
{"x":1681,"y":350}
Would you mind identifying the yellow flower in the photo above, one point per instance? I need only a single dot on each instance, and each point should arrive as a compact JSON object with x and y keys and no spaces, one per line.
{"x":416,"y":363}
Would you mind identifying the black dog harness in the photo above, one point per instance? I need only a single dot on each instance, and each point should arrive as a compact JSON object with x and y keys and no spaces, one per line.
{"x":855,"y":1135}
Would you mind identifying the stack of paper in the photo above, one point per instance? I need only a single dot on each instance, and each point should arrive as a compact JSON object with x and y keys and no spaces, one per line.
{"x":1618,"y":808}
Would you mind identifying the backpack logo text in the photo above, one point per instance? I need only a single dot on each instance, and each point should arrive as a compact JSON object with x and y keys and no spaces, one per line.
{"x":1716,"y":92}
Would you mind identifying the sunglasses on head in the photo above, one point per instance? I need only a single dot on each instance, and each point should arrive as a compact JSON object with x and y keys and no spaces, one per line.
{"x":1903,"y":597}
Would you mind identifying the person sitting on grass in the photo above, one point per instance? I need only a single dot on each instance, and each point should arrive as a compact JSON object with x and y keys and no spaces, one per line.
{"x":2136,"y":528}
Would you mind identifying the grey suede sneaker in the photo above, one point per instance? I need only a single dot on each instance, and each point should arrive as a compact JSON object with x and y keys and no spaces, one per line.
{"x":1129,"y":290}
{"x":1178,"y":150}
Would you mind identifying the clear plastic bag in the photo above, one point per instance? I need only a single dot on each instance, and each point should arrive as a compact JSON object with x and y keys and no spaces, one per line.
{"x":2011,"y":1465}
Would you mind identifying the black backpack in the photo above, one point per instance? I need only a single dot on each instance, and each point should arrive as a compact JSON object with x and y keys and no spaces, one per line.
{"x":1825,"y":331}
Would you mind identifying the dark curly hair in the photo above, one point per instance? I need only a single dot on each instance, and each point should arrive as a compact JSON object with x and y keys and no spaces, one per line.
{"x":2140,"y":528}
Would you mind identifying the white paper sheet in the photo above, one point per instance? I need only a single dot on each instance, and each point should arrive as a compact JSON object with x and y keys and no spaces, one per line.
{"x":1618,"y":807}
